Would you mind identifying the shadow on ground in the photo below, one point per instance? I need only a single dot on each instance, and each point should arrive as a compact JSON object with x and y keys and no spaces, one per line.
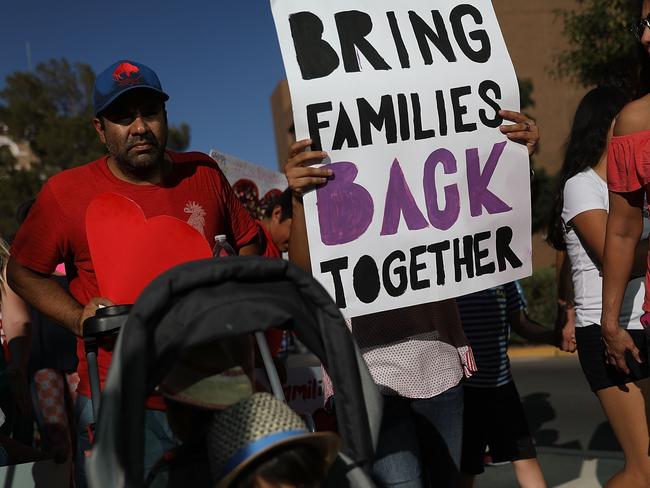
{"x":540,"y":411}
{"x":570,"y":470}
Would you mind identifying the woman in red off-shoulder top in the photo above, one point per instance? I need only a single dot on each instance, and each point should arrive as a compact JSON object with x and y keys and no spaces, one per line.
{"x":628,"y":175}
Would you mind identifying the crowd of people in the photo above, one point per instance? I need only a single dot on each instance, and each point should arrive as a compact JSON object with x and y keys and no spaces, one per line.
{"x":442,"y":368}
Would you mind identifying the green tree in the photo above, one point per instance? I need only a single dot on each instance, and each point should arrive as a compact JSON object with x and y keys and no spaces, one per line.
{"x":179,"y":137}
{"x":542,"y":189}
{"x":51,"y":108}
{"x":601,"y":49}
{"x":16,"y":186}
{"x":7,"y":162}
{"x":526,"y":93}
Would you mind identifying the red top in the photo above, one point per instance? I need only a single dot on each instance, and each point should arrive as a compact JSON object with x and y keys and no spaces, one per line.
{"x":196,"y":192}
{"x":628,"y":162}
{"x":273,"y":336}
{"x":270,"y":249}
{"x":628,"y":170}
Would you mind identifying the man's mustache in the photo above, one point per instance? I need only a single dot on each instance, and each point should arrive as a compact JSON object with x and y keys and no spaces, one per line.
{"x":143,"y":140}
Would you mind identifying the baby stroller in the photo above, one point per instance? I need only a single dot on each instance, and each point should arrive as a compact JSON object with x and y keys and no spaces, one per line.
{"x":206,"y":301}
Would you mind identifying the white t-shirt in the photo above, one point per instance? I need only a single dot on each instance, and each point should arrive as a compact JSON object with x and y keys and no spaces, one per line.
{"x":587,"y":191}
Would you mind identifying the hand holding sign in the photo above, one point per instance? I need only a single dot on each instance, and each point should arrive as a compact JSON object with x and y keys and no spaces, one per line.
{"x":301,"y":176}
{"x":524,"y":130}
{"x":427,"y":198}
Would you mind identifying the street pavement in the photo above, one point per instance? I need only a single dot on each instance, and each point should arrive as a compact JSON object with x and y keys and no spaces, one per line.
{"x":576,"y":446}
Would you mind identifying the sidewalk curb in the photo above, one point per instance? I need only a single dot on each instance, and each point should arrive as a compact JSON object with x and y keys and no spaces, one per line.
{"x":519,"y":352}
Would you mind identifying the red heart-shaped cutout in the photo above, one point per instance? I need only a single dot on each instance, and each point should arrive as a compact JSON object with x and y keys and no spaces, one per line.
{"x":129,"y":251}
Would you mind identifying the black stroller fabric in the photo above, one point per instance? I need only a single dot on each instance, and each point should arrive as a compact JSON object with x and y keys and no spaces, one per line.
{"x":204,"y":301}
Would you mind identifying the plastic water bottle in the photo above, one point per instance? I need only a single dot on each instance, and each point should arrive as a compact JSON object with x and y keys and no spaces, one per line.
{"x":221,"y":247}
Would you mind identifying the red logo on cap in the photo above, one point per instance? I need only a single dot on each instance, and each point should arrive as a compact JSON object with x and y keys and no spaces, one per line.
{"x":126,"y":74}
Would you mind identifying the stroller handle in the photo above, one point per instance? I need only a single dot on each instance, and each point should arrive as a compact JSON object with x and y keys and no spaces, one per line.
{"x":107,"y":322}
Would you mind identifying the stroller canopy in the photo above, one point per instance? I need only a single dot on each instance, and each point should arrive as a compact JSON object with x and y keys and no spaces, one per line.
{"x":208,"y":300}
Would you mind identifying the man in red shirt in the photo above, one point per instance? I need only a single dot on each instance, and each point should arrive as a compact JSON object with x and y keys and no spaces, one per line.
{"x":276,"y":226}
{"x":131,"y":121}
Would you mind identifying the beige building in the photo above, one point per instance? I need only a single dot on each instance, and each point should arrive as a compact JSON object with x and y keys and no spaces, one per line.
{"x":282,"y":121}
{"x":534,"y":37}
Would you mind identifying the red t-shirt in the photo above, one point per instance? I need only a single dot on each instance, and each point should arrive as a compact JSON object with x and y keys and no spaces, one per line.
{"x":196,"y":192}
{"x":270,"y":249}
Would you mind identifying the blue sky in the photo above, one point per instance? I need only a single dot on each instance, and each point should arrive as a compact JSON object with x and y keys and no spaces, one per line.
{"x":219,"y":60}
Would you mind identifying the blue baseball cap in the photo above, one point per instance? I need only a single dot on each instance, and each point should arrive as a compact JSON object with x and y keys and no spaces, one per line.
{"x":121,"y":77}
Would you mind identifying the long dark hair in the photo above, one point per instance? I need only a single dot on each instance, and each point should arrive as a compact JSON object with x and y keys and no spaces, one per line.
{"x":584,"y":147}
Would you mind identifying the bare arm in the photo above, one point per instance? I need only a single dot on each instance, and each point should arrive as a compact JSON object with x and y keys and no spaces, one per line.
{"x":591,"y":227}
{"x":301,"y":178}
{"x":524,"y":130}
{"x":17,"y":326}
{"x":529,"y":329}
{"x":250,"y":249}
{"x":16,"y":323}
{"x":640,"y":259}
{"x":563,"y":277}
{"x":624,"y":228}
{"x":565,"y":318}
{"x":298,"y":243}
{"x":49,"y":298}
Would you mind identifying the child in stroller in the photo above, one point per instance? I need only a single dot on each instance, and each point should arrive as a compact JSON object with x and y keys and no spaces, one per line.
{"x":201,"y":303}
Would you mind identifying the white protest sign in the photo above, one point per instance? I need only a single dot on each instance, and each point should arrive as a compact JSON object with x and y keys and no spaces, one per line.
{"x":303,"y":388}
{"x":429,"y":200}
{"x":254,"y":185}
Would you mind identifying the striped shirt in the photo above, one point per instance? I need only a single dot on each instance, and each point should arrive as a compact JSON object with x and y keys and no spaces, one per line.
{"x":485,"y":319}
